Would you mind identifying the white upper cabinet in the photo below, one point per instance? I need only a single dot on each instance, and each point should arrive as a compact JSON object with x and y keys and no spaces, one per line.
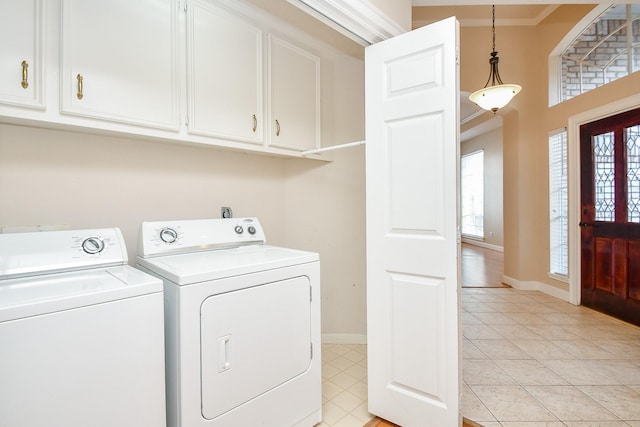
{"x":21,"y":58}
{"x":224,"y":77}
{"x":223,"y":73}
{"x":294,"y":94}
{"x":226,"y":83}
{"x":119,"y":61}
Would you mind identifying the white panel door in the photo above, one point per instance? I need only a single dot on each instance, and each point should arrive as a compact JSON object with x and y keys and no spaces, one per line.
{"x":412,"y":131}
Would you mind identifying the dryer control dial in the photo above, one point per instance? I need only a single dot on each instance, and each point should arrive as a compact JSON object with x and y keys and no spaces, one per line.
{"x":251,"y":230}
{"x":239,"y":229}
{"x":93,"y":245}
{"x":168,"y":235}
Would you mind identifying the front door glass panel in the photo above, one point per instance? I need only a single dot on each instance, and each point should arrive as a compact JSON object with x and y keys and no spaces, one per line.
{"x":604,"y":167}
{"x":632,"y":137}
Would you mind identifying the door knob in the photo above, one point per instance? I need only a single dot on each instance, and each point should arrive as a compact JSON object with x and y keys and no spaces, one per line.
{"x":586,"y":224}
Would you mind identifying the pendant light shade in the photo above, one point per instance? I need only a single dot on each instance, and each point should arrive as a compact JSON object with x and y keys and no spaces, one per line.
{"x":494,"y":97}
{"x":497,"y":95}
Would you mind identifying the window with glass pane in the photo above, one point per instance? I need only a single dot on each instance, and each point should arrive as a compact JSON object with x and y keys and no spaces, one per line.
{"x":604,"y":177}
{"x":606,"y":51}
{"x":472,"y":194}
{"x":558,"y":205}
{"x":632,"y":138}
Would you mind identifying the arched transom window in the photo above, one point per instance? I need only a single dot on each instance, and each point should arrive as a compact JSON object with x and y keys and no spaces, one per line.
{"x":607,"y":50}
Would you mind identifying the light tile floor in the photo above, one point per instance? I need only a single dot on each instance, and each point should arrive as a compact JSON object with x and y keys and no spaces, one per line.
{"x":532,"y":360}
{"x":529,"y":360}
{"x":344,"y":385}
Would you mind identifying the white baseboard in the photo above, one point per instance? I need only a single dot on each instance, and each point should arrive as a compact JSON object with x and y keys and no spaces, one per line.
{"x":536,"y":286}
{"x":482,"y":244}
{"x":344,"y":338}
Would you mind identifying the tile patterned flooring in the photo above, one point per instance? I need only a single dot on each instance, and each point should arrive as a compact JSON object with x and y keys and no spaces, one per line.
{"x":529,"y":360}
{"x":532,"y":360}
{"x":344,"y":385}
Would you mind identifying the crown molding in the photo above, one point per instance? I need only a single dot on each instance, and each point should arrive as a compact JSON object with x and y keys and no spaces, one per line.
{"x":356,"y":19}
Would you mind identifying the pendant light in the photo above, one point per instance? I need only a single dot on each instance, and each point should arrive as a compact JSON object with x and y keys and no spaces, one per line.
{"x":498,"y":94}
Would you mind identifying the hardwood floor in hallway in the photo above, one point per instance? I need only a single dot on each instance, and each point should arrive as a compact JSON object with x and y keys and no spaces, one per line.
{"x":481,"y":267}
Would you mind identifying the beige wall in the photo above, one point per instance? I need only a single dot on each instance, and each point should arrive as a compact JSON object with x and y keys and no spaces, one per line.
{"x":54,"y":177}
{"x":523,"y":53}
{"x":398,"y":10}
{"x":519,"y":161}
{"x":50,"y":177}
{"x":491,"y":143}
{"x":325,"y":206}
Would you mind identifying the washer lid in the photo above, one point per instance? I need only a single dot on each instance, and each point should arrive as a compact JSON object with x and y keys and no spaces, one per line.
{"x":196,"y":267}
{"x":31,"y":296}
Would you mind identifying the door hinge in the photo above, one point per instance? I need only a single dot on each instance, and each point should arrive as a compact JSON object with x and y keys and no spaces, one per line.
{"x":311,"y":350}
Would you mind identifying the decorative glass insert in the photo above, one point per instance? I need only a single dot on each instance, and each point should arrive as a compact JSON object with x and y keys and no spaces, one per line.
{"x":632,"y":137}
{"x":472,"y":194}
{"x":606,"y":51}
{"x":558,"y":205}
{"x":604,"y":177}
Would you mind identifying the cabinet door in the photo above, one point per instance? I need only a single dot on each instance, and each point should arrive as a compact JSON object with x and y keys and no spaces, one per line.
{"x":21,"y":61}
{"x":224,"y":74}
{"x":295,"y":98}
{"x":119,"y":61}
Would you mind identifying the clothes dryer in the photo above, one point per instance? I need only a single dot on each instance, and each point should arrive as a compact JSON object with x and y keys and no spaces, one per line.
{"x":242,"y":324}
{"x":81,"y":333}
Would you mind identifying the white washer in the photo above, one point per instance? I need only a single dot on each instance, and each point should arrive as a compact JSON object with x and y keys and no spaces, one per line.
{"x":242,"y":324}
{"x":81,"y":333}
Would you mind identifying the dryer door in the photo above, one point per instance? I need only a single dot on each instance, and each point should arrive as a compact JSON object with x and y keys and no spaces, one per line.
{"x":253,"y":340}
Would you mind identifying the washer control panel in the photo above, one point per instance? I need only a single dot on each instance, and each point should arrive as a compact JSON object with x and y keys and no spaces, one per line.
{"x":25,"y":254}
{"x":163,"y":237}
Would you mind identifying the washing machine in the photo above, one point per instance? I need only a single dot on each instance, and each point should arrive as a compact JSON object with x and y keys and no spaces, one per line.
{"x":81,"y":333}
{"x":242,"y":324}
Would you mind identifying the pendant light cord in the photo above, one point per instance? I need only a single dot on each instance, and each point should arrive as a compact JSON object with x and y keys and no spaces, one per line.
{"x":493,"y":26}
{"x":494,"y":75}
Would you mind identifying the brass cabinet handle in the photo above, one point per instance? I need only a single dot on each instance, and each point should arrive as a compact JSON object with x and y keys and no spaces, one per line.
{"x":79,"y":77}
{"x":277,"y":128}
{"x":25,"y":74}
{"x":255,"y":123}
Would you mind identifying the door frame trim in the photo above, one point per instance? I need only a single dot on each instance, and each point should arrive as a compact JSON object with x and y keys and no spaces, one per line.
{"x":573,"y":153}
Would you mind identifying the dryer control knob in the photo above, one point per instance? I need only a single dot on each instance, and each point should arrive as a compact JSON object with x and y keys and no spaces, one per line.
{"x":239,"y":229}
{"x":251,"y":230}
{"x":92,"y":245}
{"x":168,"y":235}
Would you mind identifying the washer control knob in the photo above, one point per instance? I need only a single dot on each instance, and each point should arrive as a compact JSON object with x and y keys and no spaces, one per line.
{"x":168,"y":235}
{"x":251,"y":230}
{"x":239,"y":229}
{"x":92,"y":245}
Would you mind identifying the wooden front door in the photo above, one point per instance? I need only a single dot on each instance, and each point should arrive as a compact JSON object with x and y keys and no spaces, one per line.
{"x":610,"y":215}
